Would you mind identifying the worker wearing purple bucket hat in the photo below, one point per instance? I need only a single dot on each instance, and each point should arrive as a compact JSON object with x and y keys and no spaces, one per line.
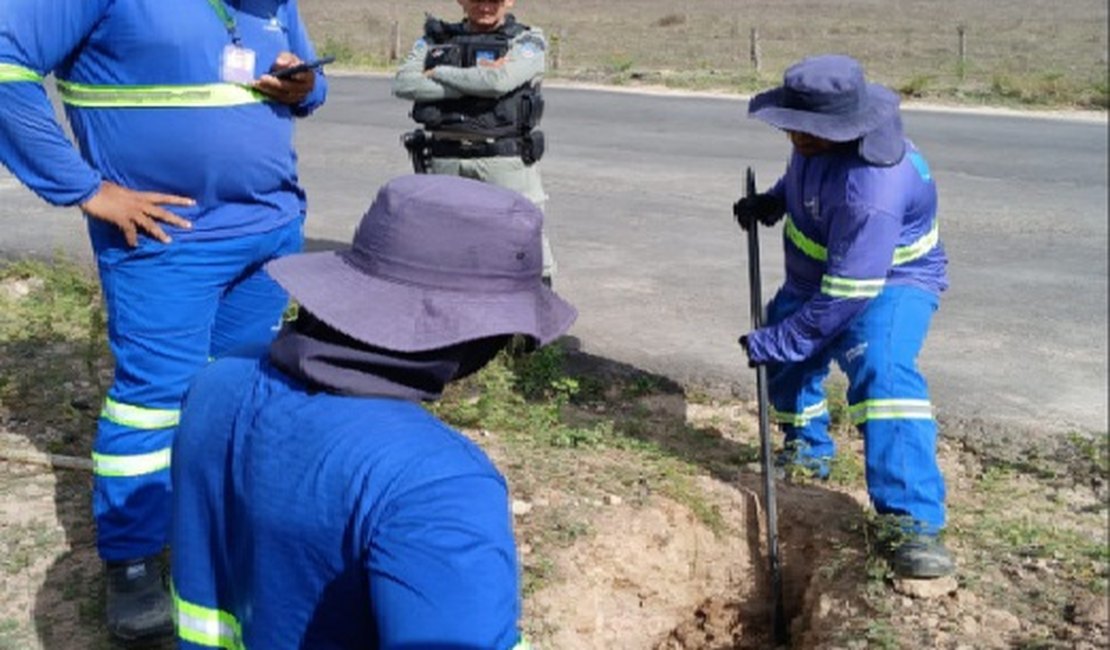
{"x":321,"y":505}
{"x":864,"y":272}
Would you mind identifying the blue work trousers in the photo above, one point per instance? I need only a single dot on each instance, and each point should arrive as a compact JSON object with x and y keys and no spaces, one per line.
{"x":887,"y":400}
{"x":171,"y":308}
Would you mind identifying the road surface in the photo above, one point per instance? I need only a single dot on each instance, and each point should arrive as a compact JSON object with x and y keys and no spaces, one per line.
{"x":640,"y":191}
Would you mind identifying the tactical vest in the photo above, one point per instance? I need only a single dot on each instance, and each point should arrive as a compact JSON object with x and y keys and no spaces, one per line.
{"x":513,"y":114}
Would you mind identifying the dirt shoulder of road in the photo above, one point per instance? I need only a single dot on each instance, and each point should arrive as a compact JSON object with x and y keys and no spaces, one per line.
{"x":1089,"y":116}
{"x":637,"y":505}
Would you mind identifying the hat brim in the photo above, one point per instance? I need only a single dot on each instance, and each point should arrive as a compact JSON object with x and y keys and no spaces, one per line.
{"x":882,"y":105}
{"x":410,"y":318}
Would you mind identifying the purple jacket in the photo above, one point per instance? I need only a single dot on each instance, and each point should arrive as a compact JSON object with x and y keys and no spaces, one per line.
{"x":851,"y":229}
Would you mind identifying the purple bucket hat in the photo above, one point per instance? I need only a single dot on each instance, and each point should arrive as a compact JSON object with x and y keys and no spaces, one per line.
{"x":828,"y":96}
{"x":437,"y":260}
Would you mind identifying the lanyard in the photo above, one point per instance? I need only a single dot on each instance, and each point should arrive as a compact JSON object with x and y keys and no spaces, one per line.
{"x":227,"y":19}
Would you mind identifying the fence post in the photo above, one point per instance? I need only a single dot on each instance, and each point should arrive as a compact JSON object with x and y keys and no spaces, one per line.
{"x":557,"y":47}
{"x":394,"y":41}
{"x":756,"y":55}
{"x":961,"y":67}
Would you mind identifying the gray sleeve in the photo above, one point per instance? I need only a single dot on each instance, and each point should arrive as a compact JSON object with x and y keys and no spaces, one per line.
{"x":524,"y":63}
{"x":410,"y":82}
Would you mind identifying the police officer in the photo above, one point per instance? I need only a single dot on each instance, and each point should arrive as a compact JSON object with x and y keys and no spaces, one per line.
{"x":475,"y":85}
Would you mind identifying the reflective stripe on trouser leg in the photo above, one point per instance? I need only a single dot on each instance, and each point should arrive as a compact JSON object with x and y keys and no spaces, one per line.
{"x":131,"y":487}
{"x":888,"y":399}
{"x":162,"y":303}
{"x":797,"y":393}
{"x":205,"y":627}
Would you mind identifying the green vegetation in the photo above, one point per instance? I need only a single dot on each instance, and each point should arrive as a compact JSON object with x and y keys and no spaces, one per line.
{"x":52,"y":338}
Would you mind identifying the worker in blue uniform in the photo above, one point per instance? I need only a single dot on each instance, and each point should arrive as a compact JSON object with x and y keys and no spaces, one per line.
{"x":317,"y":503}
{"x":184,"y":169}
{"x":864,"y":272}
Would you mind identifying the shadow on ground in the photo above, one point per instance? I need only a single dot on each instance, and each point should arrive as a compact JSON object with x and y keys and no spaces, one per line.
{"x":54,"y":370}
{"x":819,"y":529}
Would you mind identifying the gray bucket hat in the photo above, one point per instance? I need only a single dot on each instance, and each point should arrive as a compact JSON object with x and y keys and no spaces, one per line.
{"x":437,"y":260}
{"x":828,"y":96}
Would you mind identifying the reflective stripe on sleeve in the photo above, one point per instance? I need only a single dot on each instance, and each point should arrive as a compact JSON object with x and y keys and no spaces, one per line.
{"x":133,"y":465}
{"x":523,"y":644}
{"x":139,"y":417}
{"x":198,"y":96}
{"x":211,"y":628}
{"x":918,"y":249}
{"x":902,"y":254}
{"x":803,"y":418}
{"x":891,"y":409}
{"x":849,"y":288}
{"x":11,"y":73}
{"x":805,"y":244}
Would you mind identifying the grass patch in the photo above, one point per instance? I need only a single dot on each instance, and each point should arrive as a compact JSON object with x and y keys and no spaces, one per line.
{"x":56,"y":360}
{"x":542,"y":413}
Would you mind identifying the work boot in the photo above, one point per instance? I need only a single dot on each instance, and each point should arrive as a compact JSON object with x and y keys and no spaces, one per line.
{"x":138,"y":606}
{"x":922,"y":556}
{"x":790,"y":465}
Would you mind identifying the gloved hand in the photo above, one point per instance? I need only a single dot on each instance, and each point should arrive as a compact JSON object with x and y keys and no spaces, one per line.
{"x":744,"y":345}
{"x":764,"y":208}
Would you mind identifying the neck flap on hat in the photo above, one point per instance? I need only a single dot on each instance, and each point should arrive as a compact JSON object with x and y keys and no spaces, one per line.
{"x":329,"y":361}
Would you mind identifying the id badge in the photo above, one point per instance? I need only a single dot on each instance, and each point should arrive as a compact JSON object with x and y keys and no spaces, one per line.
{"x":238,"y":65}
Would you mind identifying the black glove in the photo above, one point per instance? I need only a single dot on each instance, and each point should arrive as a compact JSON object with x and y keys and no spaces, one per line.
{"x":764,"y":208}
{"x":744,"y":344}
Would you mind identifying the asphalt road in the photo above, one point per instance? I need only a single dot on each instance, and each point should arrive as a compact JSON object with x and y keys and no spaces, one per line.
{"x":640,"y":188}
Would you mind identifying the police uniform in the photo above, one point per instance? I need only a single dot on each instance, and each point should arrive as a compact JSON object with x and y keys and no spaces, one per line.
{"x":479,"y":121}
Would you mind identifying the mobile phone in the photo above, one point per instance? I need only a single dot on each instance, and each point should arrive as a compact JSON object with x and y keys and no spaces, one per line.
{"x":285,"y":73}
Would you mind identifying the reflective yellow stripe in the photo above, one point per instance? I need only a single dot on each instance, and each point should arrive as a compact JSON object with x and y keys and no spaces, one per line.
{"x":199,"y":96}
{"x":803,"y":243}
{"x":138,"y":417}
{"x":523,"y":644}
{"x":849,"y":288}
{"x":803,"y":418}
{"x":902,"y":254}
{"x":212,"y":628}
{"x":10,"y":73}
{"x":136,"y":465}
{"x":891,"y":409}
{"x":921,"y":247}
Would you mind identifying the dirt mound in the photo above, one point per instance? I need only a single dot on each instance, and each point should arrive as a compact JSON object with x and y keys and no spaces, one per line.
{"x":654,"y":576}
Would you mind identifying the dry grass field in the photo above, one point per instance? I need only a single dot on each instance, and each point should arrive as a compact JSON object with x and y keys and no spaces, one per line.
{"x":1017,"y":52}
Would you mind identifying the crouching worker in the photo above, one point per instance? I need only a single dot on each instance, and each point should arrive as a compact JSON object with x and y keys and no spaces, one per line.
{"x":318,"y":504}
{"x":864,"y":272}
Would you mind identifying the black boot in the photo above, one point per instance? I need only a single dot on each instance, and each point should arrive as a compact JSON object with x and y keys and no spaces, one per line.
{"x":922,"y":556}
{"x":138,"y":605}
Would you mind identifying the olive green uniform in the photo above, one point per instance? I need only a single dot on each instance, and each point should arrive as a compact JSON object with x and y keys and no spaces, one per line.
{"x":523,"y":63}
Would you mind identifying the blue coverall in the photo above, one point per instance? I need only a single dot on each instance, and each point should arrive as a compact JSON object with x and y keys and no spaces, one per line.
{"x":141,"y":84}
{"x":864,"y":272}
{"x":305,"y":519}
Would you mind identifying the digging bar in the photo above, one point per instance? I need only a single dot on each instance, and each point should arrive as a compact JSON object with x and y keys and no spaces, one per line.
{"x":755,"y":281}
